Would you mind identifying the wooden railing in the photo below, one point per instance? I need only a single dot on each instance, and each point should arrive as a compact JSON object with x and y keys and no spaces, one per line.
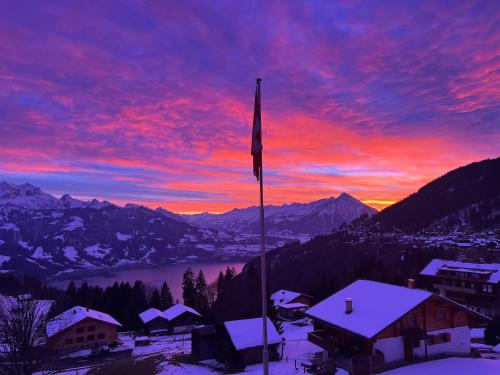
{"x":319,"y":338}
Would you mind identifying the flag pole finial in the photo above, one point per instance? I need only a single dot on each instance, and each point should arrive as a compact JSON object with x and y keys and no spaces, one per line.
{"x":259,"y":80}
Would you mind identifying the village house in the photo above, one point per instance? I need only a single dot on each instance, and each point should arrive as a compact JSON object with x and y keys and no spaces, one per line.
{"x":81,"y":327}
{"x":475,"y":285}
{"x":178,"y":318}
{"x":245,"y":337}
{"x":238,"y":342}
{"x":290,"y":304}
{"x":373,"y":324}
{"x":182,"y":318}
{"x":154,"y":320}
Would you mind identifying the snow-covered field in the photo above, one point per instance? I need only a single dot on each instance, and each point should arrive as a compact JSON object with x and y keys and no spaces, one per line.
{"x":297,"y":350}
{"x":455,"y":366}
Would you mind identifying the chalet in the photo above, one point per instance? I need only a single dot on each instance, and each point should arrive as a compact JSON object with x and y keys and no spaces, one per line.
{"x":245,"y":338}
{"x":81,"y":327}
{"x":291,"y":304}
{"x":384,"y":323}
{"x":238,"y":342}
{"x":154,"y":320}
{"x":181,"y":318}
{"x":176,"y":319}
{"x":475,"y":285}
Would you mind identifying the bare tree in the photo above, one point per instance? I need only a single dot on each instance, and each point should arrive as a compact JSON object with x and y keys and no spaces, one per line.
{"x":22,"y":337}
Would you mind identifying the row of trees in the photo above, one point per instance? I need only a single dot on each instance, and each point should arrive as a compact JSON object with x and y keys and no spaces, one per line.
{"x":125,"y":302}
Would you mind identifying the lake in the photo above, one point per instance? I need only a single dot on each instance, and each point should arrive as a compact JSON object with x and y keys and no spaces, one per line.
{"x":171,"y":273}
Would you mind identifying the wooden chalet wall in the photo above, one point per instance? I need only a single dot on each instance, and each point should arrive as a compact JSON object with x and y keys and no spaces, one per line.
{"x":434,"y":314}
{"x":83,"y":335}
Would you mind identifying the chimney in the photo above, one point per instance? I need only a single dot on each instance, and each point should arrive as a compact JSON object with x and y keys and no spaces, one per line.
{"x":411,"y":283}
{"x":348,"y":305}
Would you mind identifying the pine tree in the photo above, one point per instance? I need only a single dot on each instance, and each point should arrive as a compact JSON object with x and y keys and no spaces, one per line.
{"x":166,"y":296}
{"x":220,"y":283}
{"x":155,"y":300}
{"x":230,"y":273}
{"x":201,"y":296}
{"x":188,"y":287}
{"x":137,"y":303}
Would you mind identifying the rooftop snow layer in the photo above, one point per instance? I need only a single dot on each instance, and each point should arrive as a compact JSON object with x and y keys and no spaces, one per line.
{"x":375,"y":306}
{"x":283,"y":296}
{"x":150,"y":314}
{"x":178,"y":309}
{"x":75,"y":315}
{"x":438,"y":264}
{"x":247,"y":333}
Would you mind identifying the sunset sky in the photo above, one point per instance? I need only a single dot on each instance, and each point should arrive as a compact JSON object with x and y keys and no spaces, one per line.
{"x":151,"y":101}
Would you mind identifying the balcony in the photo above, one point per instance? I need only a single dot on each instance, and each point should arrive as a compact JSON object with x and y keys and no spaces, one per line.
{"x":458,"y":289}
{"x":321,"y":339}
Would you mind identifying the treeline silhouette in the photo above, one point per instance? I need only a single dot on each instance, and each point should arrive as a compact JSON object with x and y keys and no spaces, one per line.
{"x":124,"y":301}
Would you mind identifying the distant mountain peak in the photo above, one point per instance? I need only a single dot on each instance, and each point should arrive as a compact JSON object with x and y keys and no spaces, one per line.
{"x":294,"y":219}
{"x":26,"y":195}
{"x":69,"y":202}
{"x":345,"y":195}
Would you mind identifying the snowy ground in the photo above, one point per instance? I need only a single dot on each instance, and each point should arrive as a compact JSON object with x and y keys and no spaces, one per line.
{"x":455,"y":366}
{"x":296,"y":351}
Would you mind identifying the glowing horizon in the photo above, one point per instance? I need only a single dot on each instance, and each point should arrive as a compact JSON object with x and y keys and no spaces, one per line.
{"x":151,"y":103}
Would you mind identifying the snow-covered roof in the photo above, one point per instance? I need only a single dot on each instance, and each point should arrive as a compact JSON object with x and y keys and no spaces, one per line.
{"x":247,"y":333}
{"x":178,"y":309}
{"x":75,"y":315}
{"x":375,"y":306}
{"x":150,"y":314}
{"x":493,"y":269}
{"x":283,"y":296}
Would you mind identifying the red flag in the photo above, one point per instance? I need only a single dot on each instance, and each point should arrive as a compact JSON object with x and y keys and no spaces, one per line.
{"x":257,"y":134}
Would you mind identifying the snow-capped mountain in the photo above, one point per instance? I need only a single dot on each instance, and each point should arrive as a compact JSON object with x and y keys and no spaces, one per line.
{"x":42,"y":234}
{"x":28,"y":196}
{"x":309,"y":219}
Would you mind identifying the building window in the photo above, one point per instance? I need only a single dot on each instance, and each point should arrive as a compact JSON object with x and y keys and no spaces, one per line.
{"x":90,"y":337}
{"x":80,"y":330}
{"x":440,"y":314}
{"x":79,"y":339}
{"x":440,"y":338}
{"x":487,"y":288}
{"x":100,"y":336}
{"x":90,"y":328}
{"x":475,"y":276}
{"x":461,"y":274}
{"x":68,"y":341}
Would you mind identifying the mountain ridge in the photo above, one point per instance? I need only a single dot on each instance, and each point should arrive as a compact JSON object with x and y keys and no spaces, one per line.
{"x":40,"y":233}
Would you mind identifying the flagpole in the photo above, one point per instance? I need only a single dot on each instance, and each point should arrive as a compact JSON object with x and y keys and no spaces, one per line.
{"x":265,"y":353}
